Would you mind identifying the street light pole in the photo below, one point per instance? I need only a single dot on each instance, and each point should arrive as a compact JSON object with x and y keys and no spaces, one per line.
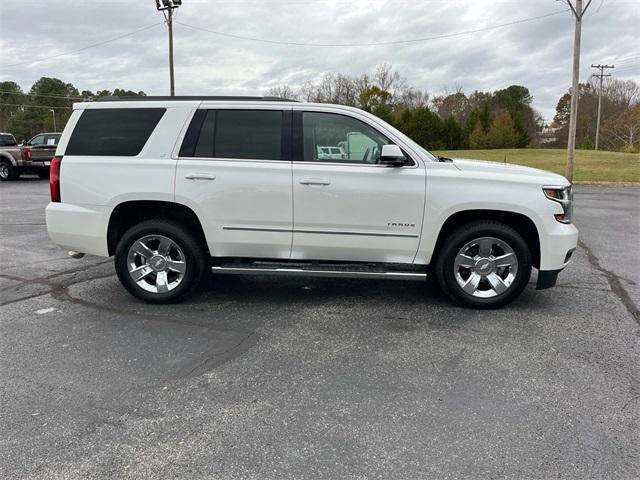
{"x":171,"y":76}
{"x":53,"y":113}
{"x":167,"y":7}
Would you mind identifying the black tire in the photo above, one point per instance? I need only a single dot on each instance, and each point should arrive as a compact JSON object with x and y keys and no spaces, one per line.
{"x":8,"y":172}
{"x":195,"y":259}
{"x":43,"y":173}
{"x":446,"y":272}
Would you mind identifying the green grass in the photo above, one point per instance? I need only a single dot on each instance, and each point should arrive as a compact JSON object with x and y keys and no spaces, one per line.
{"x":589,"y":166}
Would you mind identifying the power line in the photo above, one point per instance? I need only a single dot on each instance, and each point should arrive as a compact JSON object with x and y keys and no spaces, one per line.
{"x":29,"y":62}
{"x":391,"y":42}
{"x":68,"y":97}
{"x":32,"y":106}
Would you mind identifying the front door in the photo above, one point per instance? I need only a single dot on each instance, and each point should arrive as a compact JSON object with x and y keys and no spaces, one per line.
{"x":234,"y":170}
{"x":347,"y":207}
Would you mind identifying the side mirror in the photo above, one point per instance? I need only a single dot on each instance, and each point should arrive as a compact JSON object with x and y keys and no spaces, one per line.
{"x":392,"y":156}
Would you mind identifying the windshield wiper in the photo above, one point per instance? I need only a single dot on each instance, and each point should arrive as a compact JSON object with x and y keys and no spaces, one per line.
{"x":443,"y":159}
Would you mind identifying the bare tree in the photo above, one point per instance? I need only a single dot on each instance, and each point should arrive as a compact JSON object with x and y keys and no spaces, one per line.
{"x":410,"y":98}
{"x":282,"y":91}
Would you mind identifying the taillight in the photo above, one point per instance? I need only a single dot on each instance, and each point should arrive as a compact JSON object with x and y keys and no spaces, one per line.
{"x":54,"y":178}
{"x":26,"y":153}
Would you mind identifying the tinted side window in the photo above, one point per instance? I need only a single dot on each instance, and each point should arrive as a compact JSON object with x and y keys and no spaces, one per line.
{"x":253,"y":134}
{"x":354,"y":140}
{"x":51,"y":139}
{"x":37,"y":140}
{"x":114,"y":131}
{"x":204,"y":144}
{"x":7,"y":141}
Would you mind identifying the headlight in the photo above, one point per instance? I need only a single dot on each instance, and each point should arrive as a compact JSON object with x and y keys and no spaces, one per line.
{"x":564,"y":196}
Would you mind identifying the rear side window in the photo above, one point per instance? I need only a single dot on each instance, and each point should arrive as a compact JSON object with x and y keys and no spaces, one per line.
{"x":7,"y":141}
{"x":118,"y":132}
{"x":51,"y":139}
{"x":241,"y":134}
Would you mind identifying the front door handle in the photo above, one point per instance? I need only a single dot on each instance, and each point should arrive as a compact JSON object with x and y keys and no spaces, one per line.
{"x":200,"y":176}
{"x":314,"y":181}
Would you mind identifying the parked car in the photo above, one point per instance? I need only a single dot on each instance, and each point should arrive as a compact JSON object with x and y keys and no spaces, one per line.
{"x":331,"y":153}
{"x":10,"y":157}
{"x":38,"y":152}
{"x":177,"y":187}
{"x":33,"y":156}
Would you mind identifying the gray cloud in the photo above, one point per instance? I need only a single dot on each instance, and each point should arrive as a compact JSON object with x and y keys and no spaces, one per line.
{"x":535,"y":54}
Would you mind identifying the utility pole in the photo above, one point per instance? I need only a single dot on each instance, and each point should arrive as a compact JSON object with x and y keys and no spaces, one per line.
{"x":167,"y":7}
{"x":53,"y":112}
{"x":600,"y":75}
{"x":578,"y":13}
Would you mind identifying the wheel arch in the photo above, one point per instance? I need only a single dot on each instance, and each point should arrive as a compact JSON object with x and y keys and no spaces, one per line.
{"x":127,"y":214}
{"x":518,"y":221}
{"x":7,"y":158}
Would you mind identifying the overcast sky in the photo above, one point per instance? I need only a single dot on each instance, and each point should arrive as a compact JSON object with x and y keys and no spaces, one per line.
{"x":536,"y":54}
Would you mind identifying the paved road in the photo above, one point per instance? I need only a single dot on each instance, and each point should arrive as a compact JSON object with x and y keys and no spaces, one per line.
{"x":289,"y":378}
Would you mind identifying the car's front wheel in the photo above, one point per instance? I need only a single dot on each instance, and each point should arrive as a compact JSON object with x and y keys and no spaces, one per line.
{"x":483,"y":264}
{"x":160,"y":262}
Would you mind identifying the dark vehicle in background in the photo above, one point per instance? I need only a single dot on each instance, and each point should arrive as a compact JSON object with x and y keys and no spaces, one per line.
{"x":10,"y":157}
{"x":33,"y":156}
{"x":38,"y":152}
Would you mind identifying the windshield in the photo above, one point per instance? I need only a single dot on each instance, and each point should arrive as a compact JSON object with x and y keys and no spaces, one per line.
{"x":7,"y":141}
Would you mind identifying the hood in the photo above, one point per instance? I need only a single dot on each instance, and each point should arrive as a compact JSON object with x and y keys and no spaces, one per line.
{"x":486,"y":167}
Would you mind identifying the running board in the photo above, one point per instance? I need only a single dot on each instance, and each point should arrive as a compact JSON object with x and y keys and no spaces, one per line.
{"x":310,"y":272}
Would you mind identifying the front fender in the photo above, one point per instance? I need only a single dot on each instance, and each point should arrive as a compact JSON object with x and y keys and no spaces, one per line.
{"x":448,"y":195}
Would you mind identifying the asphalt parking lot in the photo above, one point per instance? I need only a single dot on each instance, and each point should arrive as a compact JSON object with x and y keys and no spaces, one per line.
{"x":262,"y":378}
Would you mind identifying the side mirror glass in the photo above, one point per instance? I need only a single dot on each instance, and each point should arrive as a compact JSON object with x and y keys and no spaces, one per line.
{"x":392,"y":156}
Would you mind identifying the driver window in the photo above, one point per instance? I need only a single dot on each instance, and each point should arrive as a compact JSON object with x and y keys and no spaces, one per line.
{"x":330,"y":137}
{"x":37,"y":140}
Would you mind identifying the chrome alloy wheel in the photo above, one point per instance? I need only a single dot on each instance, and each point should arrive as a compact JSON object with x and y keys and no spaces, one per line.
{"x":4,"y":171}
{"x":156,"y":263}
{"x":485,"y":267}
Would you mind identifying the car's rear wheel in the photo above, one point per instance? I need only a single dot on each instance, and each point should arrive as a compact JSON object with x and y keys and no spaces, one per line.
{"x":160,"y":262}
{"x":483,"y":264}
{"x":8,"y":172}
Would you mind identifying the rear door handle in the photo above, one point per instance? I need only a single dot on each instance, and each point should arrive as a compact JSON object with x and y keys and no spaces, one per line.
{"x":314,"y":181}
{"x":200,"y":176}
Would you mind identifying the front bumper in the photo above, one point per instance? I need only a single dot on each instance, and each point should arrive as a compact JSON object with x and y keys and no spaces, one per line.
{"x":556,"y":246}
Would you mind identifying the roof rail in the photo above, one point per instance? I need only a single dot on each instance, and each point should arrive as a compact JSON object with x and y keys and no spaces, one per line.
{"x":114,"y":98}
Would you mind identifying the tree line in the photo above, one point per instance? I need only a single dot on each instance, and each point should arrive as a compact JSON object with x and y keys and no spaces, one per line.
{"x":503,"y":118}
{"x":27,"y":113}
{"x":450,"y":120}
{"x":620,"y":116}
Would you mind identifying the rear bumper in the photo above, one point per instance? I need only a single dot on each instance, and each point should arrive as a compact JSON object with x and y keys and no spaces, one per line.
{"x":79,"y":228}
{"x":35,"y":164}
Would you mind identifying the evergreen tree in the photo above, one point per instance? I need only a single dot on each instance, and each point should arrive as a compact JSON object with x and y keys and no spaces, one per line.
{"x":478,"y":137}
{"x":502,"y":133}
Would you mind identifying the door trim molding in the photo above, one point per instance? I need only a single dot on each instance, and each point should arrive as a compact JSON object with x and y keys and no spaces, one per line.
{"x":321,"y":232}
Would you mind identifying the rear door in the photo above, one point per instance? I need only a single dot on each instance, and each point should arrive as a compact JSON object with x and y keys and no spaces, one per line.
{"x":234,"y":171}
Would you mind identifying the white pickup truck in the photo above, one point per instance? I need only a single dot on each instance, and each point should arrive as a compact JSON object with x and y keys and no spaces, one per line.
{"x":177,"y":187}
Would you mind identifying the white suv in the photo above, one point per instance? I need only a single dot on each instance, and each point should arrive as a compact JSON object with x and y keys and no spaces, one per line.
{"x":177,"y":187}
